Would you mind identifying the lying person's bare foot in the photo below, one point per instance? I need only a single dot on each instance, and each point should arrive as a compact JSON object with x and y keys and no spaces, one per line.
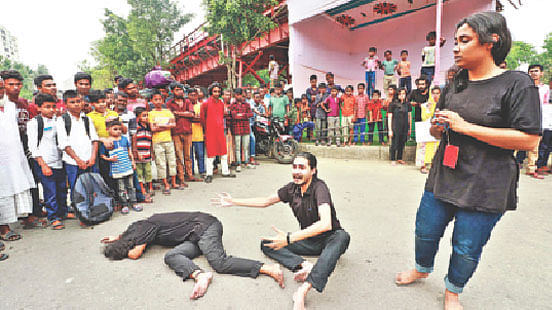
{"x":274,"y":272}
{"x":451,"y":301}
{"x":303,"y":273}
{"x":300,"y":295}
{"x":407,"y":277}
{"x":202,"y":281}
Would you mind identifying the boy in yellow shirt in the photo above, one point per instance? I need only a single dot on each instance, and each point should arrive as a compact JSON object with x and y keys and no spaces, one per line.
{"x":161,"y":121}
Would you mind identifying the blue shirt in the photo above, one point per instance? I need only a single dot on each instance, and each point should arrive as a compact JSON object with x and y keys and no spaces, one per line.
{"x":122,"y":167}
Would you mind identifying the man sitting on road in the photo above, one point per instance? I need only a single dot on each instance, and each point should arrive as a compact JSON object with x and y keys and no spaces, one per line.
{"x":192,"y":234}
{"x":321,"y":233}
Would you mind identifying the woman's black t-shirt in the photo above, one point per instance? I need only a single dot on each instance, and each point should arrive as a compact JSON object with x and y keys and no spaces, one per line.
{"x":486,"y":177}
{"x":401,"y":113}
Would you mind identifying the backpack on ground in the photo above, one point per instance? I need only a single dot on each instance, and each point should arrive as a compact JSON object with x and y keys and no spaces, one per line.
{"x":93,"y":199}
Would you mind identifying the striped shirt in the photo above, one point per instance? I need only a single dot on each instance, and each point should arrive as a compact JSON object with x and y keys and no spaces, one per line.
{"x":143,"y":143}
{"x":122,"y":167}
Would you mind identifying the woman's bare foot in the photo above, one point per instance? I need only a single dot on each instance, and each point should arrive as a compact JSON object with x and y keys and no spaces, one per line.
{"x":451,"y":301}
{"x":274,"y":272}
{"x":202,"y":281}
{"x":407,"y":277}
{"x":303,"y":273}
{"x":300,"y":295}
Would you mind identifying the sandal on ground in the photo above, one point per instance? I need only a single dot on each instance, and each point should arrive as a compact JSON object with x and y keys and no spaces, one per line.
{"x":137,"y":208}
{"x":166,"y":191}
{"x":148,"y":199}
{"x":57,"y":225}
{"x":180,"y":187}
{"x":10,"y":236}
{"x":70,"y":216}
{"x":3,"y":257}
{"x":125,"y":210}
{"x":36,"y":223}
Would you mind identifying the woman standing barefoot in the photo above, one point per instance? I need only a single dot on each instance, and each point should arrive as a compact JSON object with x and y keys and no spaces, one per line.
{"x":482,"y":116}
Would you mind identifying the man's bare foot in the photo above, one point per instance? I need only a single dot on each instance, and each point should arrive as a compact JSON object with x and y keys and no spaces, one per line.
{"x":407,"y":277}
{"x":300,"y":295}
{"x":451,"y":301}
{"x":303,"y":273}
{"x":274,"y":272}
{"x":202,"y":282}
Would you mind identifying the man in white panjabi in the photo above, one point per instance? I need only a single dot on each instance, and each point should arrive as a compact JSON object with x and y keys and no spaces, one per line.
{"x":16,"y":178}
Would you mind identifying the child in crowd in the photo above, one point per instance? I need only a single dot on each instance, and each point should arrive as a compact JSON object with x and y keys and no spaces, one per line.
{"x":347,"y":115}
{"x":403,"y":69}
{"x":306,"y":116}
{"x":142,"y":149}
{"x":99,"y":117}
{"x":198,"y":145}
{"x":312,"y":90}
{"x":391,"y":94}
{"x":122,"y":166}
{"x":399,"y":126}
{"x":375,"y":118}
{"x":332,"y":104}
{"x":303,"y":118}
{"x":320,"y":116}
{"x":292,"y":116}
{"x":426,"y":150}
{"x":78,"y":139}
{"x":371,"y":64}
{"x":428,"y":56}
{"x":161,"y":121}
{"x":48,"y":166}
{"x":361,"y":107}
{"x":241,"y":112}
{"x":389,"y":66}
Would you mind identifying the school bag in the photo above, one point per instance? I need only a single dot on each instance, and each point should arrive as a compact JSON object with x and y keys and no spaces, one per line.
{"x":92,"y":199}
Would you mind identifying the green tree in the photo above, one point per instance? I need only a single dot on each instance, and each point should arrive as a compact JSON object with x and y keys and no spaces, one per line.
{"x":238,"y":21}
{"x":28,"y":75}
{"x":133,"y":45}
{"x":545,"y":58}
{"x":521,"y":53}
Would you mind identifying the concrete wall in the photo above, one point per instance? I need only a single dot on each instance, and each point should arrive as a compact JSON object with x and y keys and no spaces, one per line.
{"x":356,"y":152}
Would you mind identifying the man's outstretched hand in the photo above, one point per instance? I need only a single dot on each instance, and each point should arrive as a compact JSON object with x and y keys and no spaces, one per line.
{"x":109,"y":239}
{"x":223,"y":200}
{"x":277,"y":242}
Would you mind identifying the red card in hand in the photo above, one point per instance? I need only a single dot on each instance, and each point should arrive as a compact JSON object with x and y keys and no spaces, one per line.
{"x":451,"y":156}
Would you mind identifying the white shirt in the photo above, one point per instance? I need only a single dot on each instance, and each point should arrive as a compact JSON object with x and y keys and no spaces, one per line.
{"x":546,"y":108}
{"x":78,"y":140}
{"x":48,"y":148}
{"x":429,"y":56}
{"x":273,"y":70}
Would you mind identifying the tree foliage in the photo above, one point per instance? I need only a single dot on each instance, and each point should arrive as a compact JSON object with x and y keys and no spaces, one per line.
{"x":238,"y":21}
{"x":133,"y":45}
{"x":27,"y":72}
{"x":521,"y":53}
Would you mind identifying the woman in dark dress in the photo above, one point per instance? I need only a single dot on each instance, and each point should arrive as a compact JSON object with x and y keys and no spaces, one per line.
{"x":483,"y":116}
{"x":399,"y":122}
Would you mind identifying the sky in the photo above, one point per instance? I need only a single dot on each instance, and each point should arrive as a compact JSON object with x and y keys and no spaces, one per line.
{"x":59,"y":33}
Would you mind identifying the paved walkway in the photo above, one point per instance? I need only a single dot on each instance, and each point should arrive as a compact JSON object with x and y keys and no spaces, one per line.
{"x":376,"y":204}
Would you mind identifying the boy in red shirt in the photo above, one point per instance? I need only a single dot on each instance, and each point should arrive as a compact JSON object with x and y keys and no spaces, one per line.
{"x":347,"y":115}
{"x":375,"y":117}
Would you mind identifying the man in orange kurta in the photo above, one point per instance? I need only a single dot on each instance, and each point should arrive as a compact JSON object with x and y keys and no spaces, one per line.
{"x":212,"y":119}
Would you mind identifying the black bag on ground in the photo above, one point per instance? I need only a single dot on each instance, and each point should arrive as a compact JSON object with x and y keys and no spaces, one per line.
{"x":92,"y":199}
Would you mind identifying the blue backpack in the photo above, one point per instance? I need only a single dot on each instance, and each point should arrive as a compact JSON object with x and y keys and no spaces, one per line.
{"x":93,"y":199}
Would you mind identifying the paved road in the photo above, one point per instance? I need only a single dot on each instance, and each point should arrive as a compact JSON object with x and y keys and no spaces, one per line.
{"x":376,"y":204}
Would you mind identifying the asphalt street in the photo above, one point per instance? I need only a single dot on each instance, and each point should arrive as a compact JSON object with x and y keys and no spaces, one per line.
{"x":375,"y":202}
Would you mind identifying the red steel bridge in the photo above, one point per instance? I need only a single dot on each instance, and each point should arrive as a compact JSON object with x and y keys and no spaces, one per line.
{"x":195,"y":59}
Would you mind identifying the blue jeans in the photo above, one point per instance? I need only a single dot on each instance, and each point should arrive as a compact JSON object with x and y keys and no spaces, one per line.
{"x":545,"y":147}
{"x":54,"y":188}
{"x":429,"y":72}
{"x":73,"y":172}
{"x":406,"y":82}
{"x":359,"y":128}
{"x":370,"y":82}
{"x":472,"y":230}
{"x":198,"y":150}
{"x":251,"y":143}
{"x":298,"y":129}
{"x":137,"y":188}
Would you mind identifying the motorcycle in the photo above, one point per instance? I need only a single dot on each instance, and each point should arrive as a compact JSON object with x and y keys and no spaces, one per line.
{"x":271,"y":140}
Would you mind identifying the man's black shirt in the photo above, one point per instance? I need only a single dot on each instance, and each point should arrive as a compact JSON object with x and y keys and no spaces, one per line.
{"x":305,"y":206}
